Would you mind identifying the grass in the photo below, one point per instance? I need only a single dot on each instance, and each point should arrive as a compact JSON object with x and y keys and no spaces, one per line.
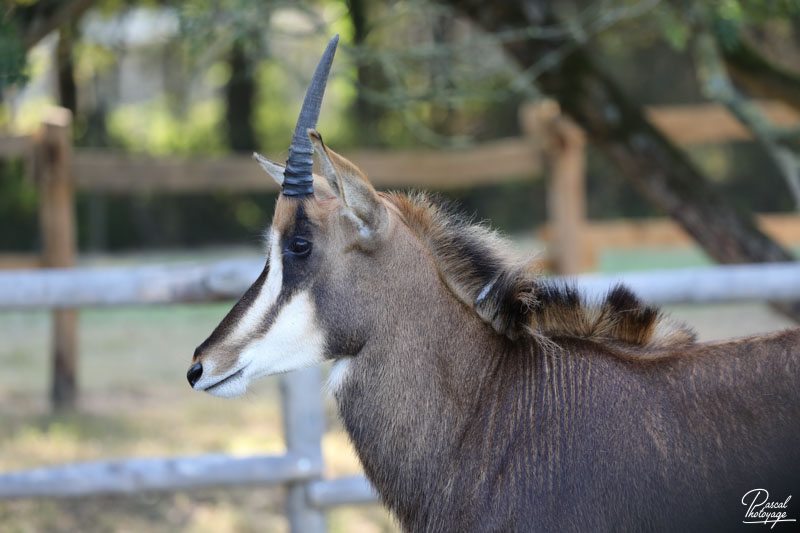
{"x":135,"y":402}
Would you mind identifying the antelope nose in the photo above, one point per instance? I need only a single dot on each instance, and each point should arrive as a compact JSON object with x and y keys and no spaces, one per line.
{"x":194,"y":373}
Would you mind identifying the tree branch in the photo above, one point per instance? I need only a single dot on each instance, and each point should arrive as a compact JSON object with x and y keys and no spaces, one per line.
{"x":618,"y":127}
{"x":40,"y":27}
{"x":716,"y":85}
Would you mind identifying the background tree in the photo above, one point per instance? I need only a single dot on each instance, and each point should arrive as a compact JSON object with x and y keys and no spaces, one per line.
{"x":24,"y":24}
{"x":620,"y":129}
{"x":240,"y":93}
{"x":448,"y":74}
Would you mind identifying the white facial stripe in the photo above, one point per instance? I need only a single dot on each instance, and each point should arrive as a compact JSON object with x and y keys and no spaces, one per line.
{"x":294,"y":341}
{"x":268,"y":294}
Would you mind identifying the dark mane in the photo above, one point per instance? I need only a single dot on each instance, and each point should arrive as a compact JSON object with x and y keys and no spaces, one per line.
{"x":479,"y":267}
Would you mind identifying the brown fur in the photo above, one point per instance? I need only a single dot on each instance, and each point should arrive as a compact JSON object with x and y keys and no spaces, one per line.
{"x":468,"y":256}
{"x":524,"y":407}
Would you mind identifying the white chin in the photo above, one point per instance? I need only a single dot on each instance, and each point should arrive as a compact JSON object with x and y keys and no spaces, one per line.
{"x":230,"y":389}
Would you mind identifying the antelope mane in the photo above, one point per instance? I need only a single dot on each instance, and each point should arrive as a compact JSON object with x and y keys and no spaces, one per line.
{"x":479,"y":267}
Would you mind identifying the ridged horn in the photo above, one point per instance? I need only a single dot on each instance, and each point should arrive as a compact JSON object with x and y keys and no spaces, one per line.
{"x":297,"y":179}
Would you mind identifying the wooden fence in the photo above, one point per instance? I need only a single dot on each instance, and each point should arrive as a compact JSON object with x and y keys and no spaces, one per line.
{"x":598,"y":236}
{"x":573,"y":241}
{"x":58,"y":170}
{"x":300,"y":470}
{"x":227,"y":280}
{"x":553,"y":143}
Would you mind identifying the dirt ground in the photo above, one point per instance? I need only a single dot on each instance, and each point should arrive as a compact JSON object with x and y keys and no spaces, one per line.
{"x":135,"y":402}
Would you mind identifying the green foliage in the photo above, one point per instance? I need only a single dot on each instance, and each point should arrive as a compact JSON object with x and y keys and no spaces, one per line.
{"x":674,"y":21}
{"x":155,"y":128}
{"x":675,"y":31}
{"x":273,"y":122}
{"x":415,"y":73}
{"x":224,"y":21}
{"x":731,"y":16}
{"x":12,"y":55}
{"x":18,"y":208}
{"x":92,"y":60}
{"x":756,"y":11}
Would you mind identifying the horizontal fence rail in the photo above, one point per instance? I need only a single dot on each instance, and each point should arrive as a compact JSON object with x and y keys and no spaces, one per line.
{"x":774,"y":282}
{"x":485,"y":164}
{"x":131,"y":476}
{"x":342,"y":491}
{"x":134,"y":476}
{"x":225,"y":280}
{"x":116,"y":286}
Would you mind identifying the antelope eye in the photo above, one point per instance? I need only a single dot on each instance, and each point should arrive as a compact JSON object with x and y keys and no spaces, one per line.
{"x":299,"y":246}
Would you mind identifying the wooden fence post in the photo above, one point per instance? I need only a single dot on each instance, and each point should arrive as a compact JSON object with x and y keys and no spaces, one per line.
{"x":566,"y":196}
{"x":57,"y":220}
{"x":564,"y":145}
{"x":304,"y":425}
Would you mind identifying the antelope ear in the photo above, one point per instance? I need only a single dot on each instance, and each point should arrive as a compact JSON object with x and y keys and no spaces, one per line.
{"x":273,"y":169}
{"x":361,"y":202}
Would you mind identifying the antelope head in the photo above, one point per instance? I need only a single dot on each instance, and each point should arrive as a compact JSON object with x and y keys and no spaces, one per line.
{"x":305,"y":307}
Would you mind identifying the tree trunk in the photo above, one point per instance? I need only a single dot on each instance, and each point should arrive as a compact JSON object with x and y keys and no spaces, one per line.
{"x":441,"y":76}
{"x":38,"y":19}
{"x":618,"y":128}
{"x":358,"y":17}
{"x":65,"y":66}
{"x":368,"y":74}
{"x":239,"y":95}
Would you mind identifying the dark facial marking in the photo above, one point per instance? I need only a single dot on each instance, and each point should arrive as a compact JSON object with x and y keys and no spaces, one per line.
{"x":299,"y":262}
{"x":298,"y":268}
{"x":228,"y":324}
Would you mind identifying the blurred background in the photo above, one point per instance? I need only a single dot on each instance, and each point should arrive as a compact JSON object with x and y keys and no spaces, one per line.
{"x":608,"y":136}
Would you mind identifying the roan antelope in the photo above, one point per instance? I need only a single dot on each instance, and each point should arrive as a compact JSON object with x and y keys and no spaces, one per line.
{"x":480,"y":397}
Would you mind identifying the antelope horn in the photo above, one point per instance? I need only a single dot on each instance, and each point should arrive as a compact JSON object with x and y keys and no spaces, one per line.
{"x":297,"y":176}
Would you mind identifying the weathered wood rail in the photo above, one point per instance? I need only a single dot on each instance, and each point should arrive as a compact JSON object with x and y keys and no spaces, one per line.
{"x":485,"y":164}
{"x":301,"y":468}
{"x":132,"y":476}
{"x":226,"y":280}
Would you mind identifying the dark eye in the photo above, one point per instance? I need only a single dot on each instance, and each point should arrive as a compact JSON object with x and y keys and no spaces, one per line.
{"x":299,"y":246}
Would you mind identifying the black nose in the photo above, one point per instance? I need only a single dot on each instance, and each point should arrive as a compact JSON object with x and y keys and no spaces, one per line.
{"x":194,"y":373}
